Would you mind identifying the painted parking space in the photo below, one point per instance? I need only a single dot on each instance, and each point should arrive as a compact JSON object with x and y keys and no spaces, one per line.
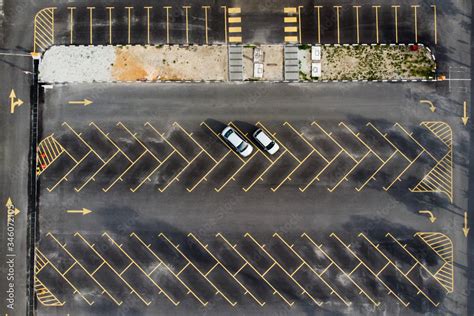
{"x":312,"y":154}
{"x":338,"y":268}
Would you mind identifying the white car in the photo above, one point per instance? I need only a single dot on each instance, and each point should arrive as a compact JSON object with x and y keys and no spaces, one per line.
{"x":266,"y":142}
{"x":234,"y":139}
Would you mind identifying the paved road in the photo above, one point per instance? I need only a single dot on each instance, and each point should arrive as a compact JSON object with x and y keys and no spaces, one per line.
{"x":231,"y":211}
{"x":179,"y":213}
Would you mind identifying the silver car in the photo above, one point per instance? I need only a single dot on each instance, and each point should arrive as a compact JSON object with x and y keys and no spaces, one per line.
{"x":265,"y":141}
{"x":236,"y":141}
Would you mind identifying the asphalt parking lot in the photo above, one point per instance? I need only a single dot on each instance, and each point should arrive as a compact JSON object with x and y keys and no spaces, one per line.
{"x":143,"y":210}
{"x":332,"y":22}
{"x":147,"y":244}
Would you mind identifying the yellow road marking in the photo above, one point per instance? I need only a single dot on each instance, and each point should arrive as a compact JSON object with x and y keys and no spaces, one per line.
{"x":291,"y":39}
{"x":169,"y":269}
{"x":338,"y":7}
{"x":395,"y":9}
{"x":186,"y":8}
{"x":111,"y":268}
{"x":109,"y":9}
{"x":290,"y":19}
{"x":148,"y":24}
{"x":206,"y":7}
{"x":129,"y":22}
{"x":71,"y":23}
{"x":291,"y":29}
{"x":235,"y":29}
{"x":299,"y":22}
{"x":167,"y":8}
{"x":289,"y":10}
{"x":357,"y":7}
{"x":235,"y":19}
{"x":132,"y":261}
{"x":377,"y":7}
{"x":198,"y":270}
{"x":255,"y":270}
{"x":91,"y":9}
{"x":84,"y":269}
{"x":415,"y":14}
{"x":225,"y":22}
{"x":435,"y":23}
{"x":234,"y":10}
{"x":319,"y":303}
{"x":318,"y":10}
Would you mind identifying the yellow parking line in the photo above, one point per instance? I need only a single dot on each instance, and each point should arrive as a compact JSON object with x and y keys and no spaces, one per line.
{"x":299,"y":23}
{"x":84,"y":269}
{"x":318,"y":10}
{"x":247,"y":291}
{"x":67,"y":280}
{"x":348,"y":173}
{"x":123,"y":173}
{"x":92,"y":177}
{"x":264,"y":172}
{"x":110,"y":140}
{"x":360,"y":140}
{"x":132,"y":261}
{"x":68,"y":173}
{"x":167,"y":8}
{"x":372,"y":177}
{"x":82,"y":140}
{"x":435,"y":23}
{"x":278,"y":141}
{"x":90,"y":24}
{"x":357,"y":7}
{"x":377,"y":7}
{"x":109,"y":9}
{"x":236,"y":172}
{"x":147,"y":178}
{"x":255,"y":270}
{"x":291,"y":39}
{"x":225,"y":22}
{"x":235,"y":29}
{"x":198,"y":270}
{"x":403,"y":171}
{"x":320,"y":172}
{"x":186,"y":8}
{"x":335,"y":141}
{"x":234,"y":10}
{"x":204,"y":177}
{"x":215,"y":134}
{"x":191,"y":137}
{"x":395,"y":8}
{"x":415,"y":14}
{"x":283,"y":269}
{"x":206,"y":7}
{"x":249,"y":140}
{"x":338,"y":7}
{"x":235,"y":19}
{"x":235,"y":39}
{"x":291,"y":29}
{"x":111,"y":268}
{"x":71,"y":23}
{"x":311,"y":267}
{"x":168,"y":142}
{"x":301,"y":135}
{"x":148,"y":24}
{"x":138,"y":140}
{"x":129,"y":22}
{"x":169,"y":269}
